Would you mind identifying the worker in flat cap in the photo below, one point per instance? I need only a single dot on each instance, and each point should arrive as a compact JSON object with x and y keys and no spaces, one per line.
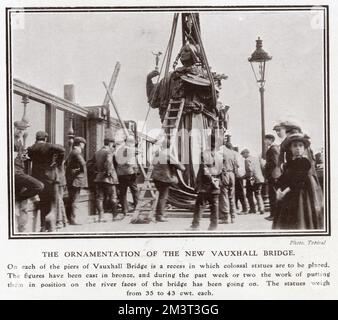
{"x":254,"y":181}
{"x":291,"y":127}
{"x":25,"y":186}
{"x":164,"y":176}
{"x":227,"y":205}
{"x":239,"y":186}
{"x":41,"y":136}
{"x":280,"y":130}
{"x":127,"y":170}
{"x":46,"y":157}
{"x":76,"y":176}
{"x":272,"y":171}
{"x":208,"y":184}
{"x":105,"y":179}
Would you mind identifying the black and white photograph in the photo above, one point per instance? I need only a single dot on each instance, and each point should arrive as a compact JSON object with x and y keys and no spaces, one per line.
{"x":168,"y":121}
{"x":168,"y":157}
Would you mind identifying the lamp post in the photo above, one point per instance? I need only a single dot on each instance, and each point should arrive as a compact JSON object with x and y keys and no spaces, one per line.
{"x":258,"y":61}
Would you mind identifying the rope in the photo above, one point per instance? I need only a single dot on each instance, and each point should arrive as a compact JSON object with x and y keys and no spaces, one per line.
{"x":168,"y":49}
{"x":205,"y":60}
{"x":146,"y":119}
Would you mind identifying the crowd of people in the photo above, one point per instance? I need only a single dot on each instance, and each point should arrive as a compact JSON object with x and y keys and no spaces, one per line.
{"x":230,"y":184}
{"x":288,"y":171}
{"x":109,"y":173}
{"x":287,"y":175}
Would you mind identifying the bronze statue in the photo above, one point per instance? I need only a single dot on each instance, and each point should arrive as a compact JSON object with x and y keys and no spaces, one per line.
{"x":191,"y":82}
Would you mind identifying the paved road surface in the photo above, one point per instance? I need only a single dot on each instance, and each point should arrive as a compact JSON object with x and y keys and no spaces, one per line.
{"x":177,"y":222}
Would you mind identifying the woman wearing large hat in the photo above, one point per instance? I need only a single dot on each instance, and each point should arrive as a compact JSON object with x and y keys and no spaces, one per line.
{"x":299,"y":196}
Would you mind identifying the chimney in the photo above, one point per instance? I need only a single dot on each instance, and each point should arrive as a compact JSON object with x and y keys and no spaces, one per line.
{"x":69,"y":92}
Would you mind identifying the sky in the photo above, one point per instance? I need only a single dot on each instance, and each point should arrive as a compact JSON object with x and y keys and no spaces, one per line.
{"x":53,"y":49}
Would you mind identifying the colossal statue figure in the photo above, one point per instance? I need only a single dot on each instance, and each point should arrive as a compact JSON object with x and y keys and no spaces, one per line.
{"x":202,"y":113}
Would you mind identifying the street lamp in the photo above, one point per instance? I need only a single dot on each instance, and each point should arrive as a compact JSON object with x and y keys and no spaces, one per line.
{"x":257,"y":61}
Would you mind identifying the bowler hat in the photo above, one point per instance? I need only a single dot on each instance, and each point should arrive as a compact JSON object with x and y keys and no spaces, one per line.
{"x":245,"y":151}
{"x":298,"y":137}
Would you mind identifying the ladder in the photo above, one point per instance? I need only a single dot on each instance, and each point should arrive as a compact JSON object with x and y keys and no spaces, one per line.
{"x":148,"y":193}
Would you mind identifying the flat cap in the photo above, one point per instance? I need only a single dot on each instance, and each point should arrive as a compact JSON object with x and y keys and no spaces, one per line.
{"x":278,"y":125}
{"x":78,"y":140}
{"x":290,"y":125}
{"x":108,"y":139}
{"x":270,"y":137}
{"x":41,"y":135}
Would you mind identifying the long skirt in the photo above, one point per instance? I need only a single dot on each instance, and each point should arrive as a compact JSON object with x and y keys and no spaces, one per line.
{"x":302,"y":208}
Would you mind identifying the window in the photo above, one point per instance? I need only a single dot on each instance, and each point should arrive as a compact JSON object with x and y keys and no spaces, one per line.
{"x":79,"y":126}
{"x":59,"y":126}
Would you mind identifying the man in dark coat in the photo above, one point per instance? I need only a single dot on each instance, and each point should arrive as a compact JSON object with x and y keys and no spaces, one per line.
{"x":127,"y":170}
{"x":105,"y":179}
{"x":61,"y":219}
{"x":319,"y":158}
{"x":76,"y":176}
{"x":239,"y":187}
{"x":272,"y":171}
{"x":207,"y":185}
{"x":46,"y":157}
{"x":25,"y":186}
{"x":280,"y":130}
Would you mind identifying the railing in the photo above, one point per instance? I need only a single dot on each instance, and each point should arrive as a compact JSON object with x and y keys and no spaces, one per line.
{"x":24,"y":89}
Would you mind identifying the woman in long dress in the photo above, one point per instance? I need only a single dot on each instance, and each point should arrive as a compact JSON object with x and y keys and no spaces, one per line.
{"x":299,"y":196}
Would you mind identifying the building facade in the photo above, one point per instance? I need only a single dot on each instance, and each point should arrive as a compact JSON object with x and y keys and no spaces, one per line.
{"x":63,"y":119}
